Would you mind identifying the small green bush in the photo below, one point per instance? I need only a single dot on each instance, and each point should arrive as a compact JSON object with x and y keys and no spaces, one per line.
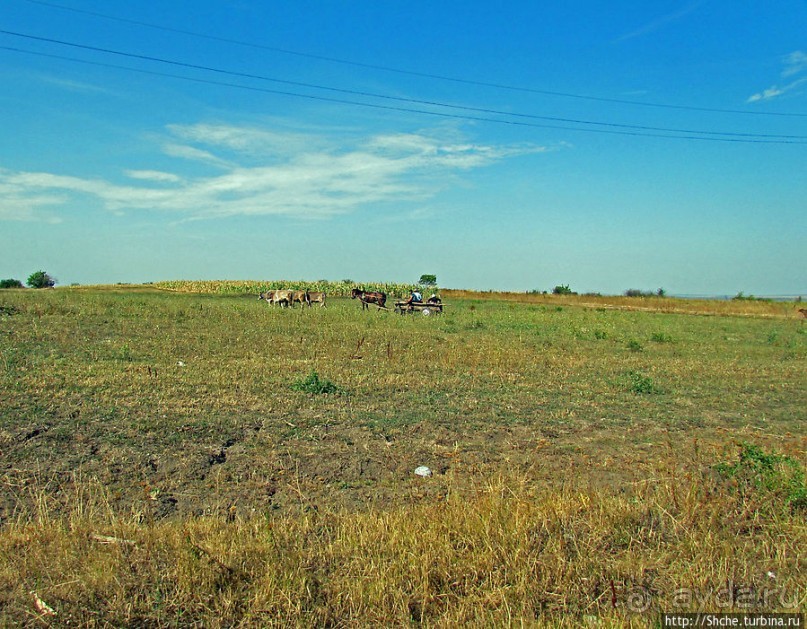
{"x":760,"y":472}
{"x":635,"y":346}
{"x":743,"y":297}
{"x":313,"y":384}
{"x":661,"y":337}
{"x":10,"y":283}
{"x":635,"y":292}
{"x":641,"y":384}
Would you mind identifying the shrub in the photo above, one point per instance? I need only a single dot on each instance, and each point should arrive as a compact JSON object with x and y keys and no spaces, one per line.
{"x":760,"y":472}
{"x":563,"y":289}
{"x":642,"y":385}
{"x":40,"y":279}
{"x":635,"y":292}
{"x":742,"y":297}
{"x":10,"y":283}
{"x":661,"y":337}
{"x":313,"y":384}
{"x":635,"y":346}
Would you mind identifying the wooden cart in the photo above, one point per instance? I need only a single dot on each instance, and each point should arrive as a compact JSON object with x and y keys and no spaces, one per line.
{"x":426,"y":308}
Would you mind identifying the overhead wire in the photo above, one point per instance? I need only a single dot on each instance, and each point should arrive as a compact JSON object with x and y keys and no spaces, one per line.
{"x":402,"y":71}
{"x":394,"y":108}
{"x":626,"y":129}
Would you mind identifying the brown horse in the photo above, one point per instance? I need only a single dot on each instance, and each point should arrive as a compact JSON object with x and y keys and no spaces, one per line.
{"x":803,"y":312}
{"x":377,"y":298}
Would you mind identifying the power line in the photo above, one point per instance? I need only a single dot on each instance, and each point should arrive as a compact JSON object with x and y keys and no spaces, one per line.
{"x":396,"y":108}
{"x":403,"y":99}
{"x":411,"y":72}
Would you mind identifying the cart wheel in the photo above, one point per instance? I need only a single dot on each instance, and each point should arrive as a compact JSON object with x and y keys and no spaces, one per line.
{"x":426,"y":312}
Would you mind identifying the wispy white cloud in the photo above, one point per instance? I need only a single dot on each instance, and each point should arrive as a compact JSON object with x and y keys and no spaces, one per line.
{"x":244,"y":140}
{"x":298,"y":175}
{"x":768,"y":94}
{"x":191,"y":153}
{"x":152,"y":175}
{"x":73,"y":86}
{"x":795,"y":65}
{"x":19,"y":203}
{"x":660,"y":22}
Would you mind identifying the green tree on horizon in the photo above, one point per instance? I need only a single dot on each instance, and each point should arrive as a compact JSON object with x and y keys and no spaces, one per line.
{"x":40,"y":279}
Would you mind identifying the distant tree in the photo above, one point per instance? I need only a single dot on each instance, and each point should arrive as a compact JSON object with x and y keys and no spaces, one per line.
{"x":428,"y":280}
{"x":40,"y":279}
{"x":11,"y":284}
{"x":637,"y":292}
{"x":563,"y":289}
{"x":743,"y":297}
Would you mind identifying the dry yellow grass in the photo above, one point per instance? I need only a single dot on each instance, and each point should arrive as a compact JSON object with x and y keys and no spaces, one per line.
{"x":505,"y":553}
{"x":724,"y":307}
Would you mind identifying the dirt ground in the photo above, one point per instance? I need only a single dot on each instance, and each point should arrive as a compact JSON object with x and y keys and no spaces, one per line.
{"x":276,"y":465}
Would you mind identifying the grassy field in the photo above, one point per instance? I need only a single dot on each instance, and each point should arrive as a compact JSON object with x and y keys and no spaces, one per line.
{"x":176,"y":458}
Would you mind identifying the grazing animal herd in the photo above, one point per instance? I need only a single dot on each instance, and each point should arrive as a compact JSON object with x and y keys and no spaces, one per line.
{"x":287,"y":298}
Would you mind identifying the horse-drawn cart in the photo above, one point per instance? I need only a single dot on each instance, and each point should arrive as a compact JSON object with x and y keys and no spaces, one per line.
{"x":426,"y":308}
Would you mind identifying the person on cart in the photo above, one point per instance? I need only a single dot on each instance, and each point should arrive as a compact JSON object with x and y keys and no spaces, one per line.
{"x":415,"y":297}
{"x":433,"y":299}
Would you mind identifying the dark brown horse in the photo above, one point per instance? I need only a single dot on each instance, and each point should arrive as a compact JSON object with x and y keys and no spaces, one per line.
{"x":366,"y":298}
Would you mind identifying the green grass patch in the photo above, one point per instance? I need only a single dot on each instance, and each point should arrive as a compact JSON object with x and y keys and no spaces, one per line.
{"x":315,"y":385}
{"x":641,"y":384}
{"x":759,"y":472}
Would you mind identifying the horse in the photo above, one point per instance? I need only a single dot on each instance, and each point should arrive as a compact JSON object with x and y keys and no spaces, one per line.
{"x":377,"y":298}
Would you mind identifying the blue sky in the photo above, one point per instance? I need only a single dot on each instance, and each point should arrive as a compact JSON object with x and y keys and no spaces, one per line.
{"x":511,"y":146}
